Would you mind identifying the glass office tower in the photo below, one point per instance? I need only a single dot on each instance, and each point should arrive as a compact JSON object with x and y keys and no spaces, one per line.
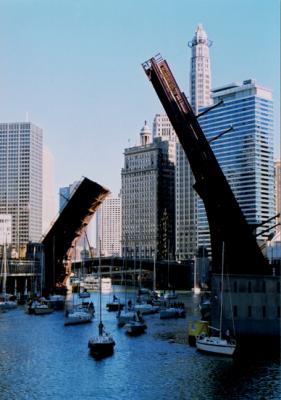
{"x":245,"y":154}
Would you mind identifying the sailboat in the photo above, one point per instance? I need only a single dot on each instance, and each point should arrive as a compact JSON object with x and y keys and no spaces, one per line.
{"x":103,"y":344}
{"x":127,"y":314}
{"x":5,"y":299}
{"x":217,"y":344}
{"x":136,"y":326}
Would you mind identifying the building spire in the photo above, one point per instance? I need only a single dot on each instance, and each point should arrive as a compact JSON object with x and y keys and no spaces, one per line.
{"x":145,"y":134}
{"x":200,"y":73}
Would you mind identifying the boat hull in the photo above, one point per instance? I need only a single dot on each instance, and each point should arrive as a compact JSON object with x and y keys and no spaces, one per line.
{"x":78,"y":318}
{"x":42,"y":311}
{"x":101,"y":347}
{"x":135,"y":328}
{"x":172,"y":313}
{"x":215,"y":345}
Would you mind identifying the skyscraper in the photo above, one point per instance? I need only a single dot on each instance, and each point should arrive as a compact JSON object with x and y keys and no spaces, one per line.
{"x":244,"y":154}
{"x":65,"y":193}
{"x":147,"y":199}
{"x":277,"y":175}
{"x":186,"y":198}
{"x":49,"y":198}
{"x":21,"y":180}
{"x":108,"y":227}
{"x":163,"y":128}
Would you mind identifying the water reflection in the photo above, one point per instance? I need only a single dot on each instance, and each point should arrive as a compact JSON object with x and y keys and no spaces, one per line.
{"x":42,"y":359}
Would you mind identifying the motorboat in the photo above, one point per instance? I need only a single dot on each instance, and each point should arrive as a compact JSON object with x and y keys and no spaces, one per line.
{"x":91,"y":282}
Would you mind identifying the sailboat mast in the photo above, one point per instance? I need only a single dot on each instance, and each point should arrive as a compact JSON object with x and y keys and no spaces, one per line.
{"x":100,"y":276}
{"x":222,"y":266}
{"x":154,"y":271}
{"x":4,"y":269}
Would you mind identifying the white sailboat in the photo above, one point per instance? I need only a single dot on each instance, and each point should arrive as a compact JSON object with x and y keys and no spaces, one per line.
{"x":103,"y":344}
{"x":79,"y":315}
{"x":5,"y":299}
{"x":217,"y":344}
{"x":127,"y":313}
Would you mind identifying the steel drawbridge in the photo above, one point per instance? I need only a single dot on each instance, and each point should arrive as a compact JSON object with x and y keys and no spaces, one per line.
{"x":59,"y":243}
{"x":226,"y":220}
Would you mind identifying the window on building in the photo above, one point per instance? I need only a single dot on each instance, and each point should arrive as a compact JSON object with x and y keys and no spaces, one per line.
{"x":249,"y":311}
{"x":249,"y":287}
{"x":235,"y":311}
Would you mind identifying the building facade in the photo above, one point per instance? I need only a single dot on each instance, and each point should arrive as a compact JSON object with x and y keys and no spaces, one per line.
{"x":49,"y":198}
{"x":245,"y":154}
{"x":147,"y":196}
{"x":65,"y":193}
{"x":277,"y":175}
{"x":186,"y":198}
{"x":108,"y":227}
{"x":21,"y":180}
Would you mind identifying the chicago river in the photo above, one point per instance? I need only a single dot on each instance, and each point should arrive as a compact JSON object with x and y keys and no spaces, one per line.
{"x":43,"y":359}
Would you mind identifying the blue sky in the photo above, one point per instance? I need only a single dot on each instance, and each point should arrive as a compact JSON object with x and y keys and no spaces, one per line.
{"x":75,"y":67}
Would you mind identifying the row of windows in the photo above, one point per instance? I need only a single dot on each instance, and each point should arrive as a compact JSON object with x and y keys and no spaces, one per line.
{"x":263,"y":312}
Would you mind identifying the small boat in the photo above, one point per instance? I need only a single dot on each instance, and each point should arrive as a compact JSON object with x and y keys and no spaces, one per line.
{"x":146,"y":308}
{"x":56,"y":301}
{"x":42,"y":308}
{"x":172,"y":312}
{"x":195,"y":328}
{"x":170,"y":296}
{"x":84,"y":294}
{"x":136,"y":326}
{"x":7,"y":301}
{"x":77,"y":317}
{"x":115,"y":304}
{"x":124,"y":316}
{"x":7,"y":304}
{"x":215,"y":344}
{"x":102,"y":345}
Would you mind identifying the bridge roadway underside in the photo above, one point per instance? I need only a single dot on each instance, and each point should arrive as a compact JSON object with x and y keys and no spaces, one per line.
{"x":59,"y":243}
{"x":170,"y":275}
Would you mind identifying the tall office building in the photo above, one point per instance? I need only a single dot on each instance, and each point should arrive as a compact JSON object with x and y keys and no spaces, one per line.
{"x":147,"y":197}
{"x":277,"y":174}
{"x":49,"y":198}
{"x":21,"y":180}
{"x":108,"y":227}
{"x":163,"y":128}
{"x":65,"y":194}
{"x":186,"y":198}
{"x":244,"y":154}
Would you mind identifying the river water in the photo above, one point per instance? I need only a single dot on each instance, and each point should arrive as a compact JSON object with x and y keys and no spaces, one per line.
{"x":42,"y":359}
